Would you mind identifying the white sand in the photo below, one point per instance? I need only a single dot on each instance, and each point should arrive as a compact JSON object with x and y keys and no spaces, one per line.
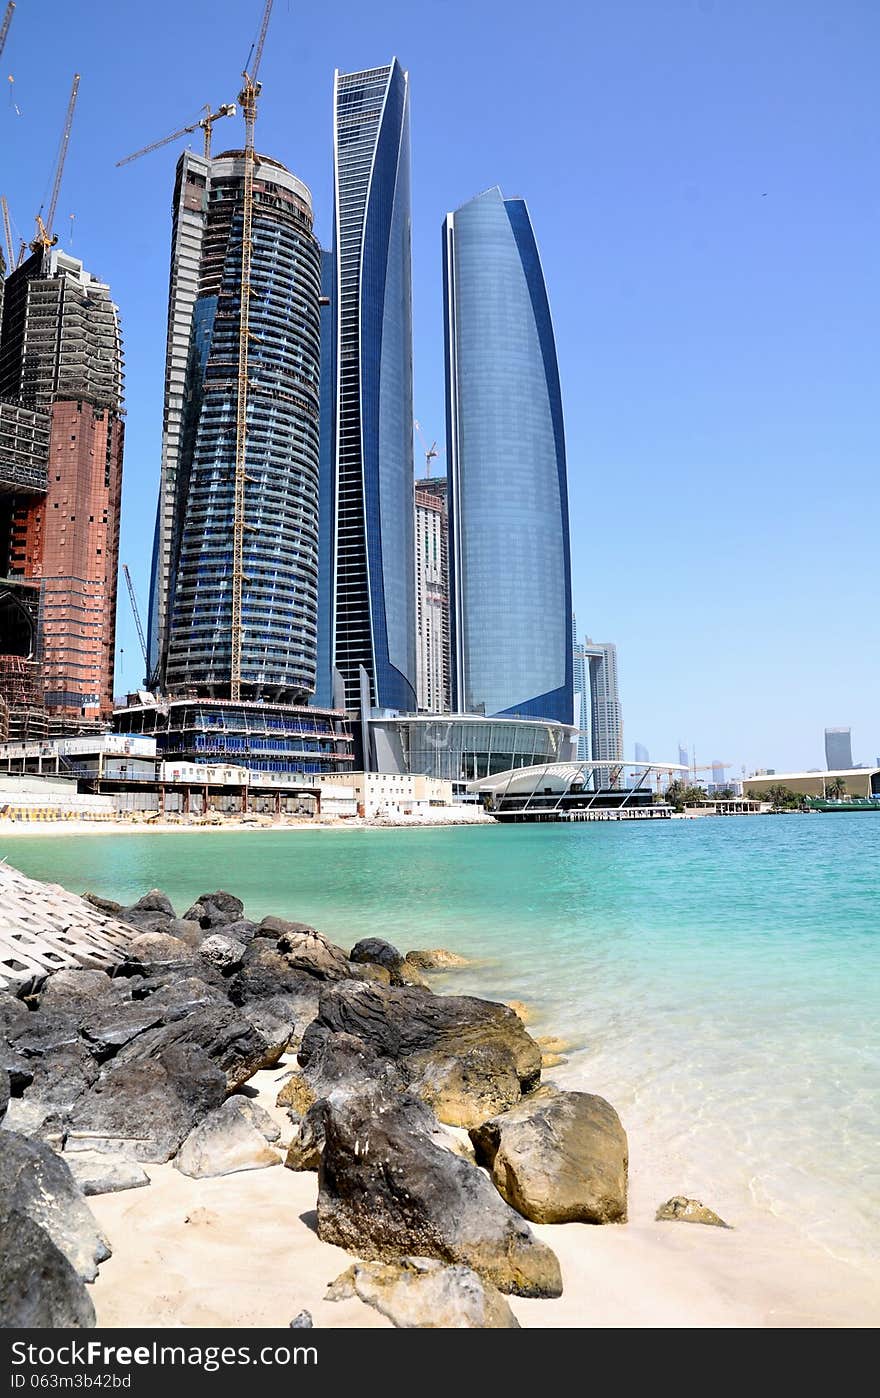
{"x":439,"y":816}
{"x":249,"y":1256}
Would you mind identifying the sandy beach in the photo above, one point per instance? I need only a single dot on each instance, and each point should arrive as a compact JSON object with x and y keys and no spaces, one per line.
{"x":439,"y":816}
{"x":241,"y":1251}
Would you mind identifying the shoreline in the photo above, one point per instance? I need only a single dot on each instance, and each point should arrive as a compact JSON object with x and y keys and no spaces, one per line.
{"x":39,"y":828}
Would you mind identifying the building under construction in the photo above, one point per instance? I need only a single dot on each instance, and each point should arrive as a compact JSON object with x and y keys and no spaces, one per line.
{"x":61,"y":441}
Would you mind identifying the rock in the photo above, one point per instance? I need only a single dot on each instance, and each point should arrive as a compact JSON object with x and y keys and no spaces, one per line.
{"x":330,"y":1062}
{"x":467,"y":1088}
{"x":680,"y":1209}
{"x":175,"y":997}
{"x":241,"y":931}
{"x":104,"y":905}
{"x":223,"y":1143}
{"x":36,"y":1182}
{"x":309,"y":951}
{"x":110,"y":1029}
{"x":302,"y":1321}
{"x":221,"y":951}
{"x":276,"y":1017}
{"x":521,"y":1010}
{"x":105,"y":1174}
{"x":144,"y":1109}
{"x":304,"y":1151}
{"x":145,"y":922}
{"x":154,"y":902}
{"x":19,"y":1070}
{"x":59,"y":1080}
{"x":278,"y":926}
{"x":420,"y":1292}
{"x":267,"y":973}
{"x":45,"y":1032}
{"x":186,"y":930}
{"x":443,"y":1043}
{"x":220,"y":1031}
{"x":259,"y":1118}
{"x":386,"y":1190}
{"x":153,"y":952}
{"x":215,"y":909}
{"x":80,"y":992}
{"x":436,"y":959}
{"x":552,"y":1060}
{"x":39,"y":1289}
{"x":373,"y":951}
{"x":4,"y":1092}
{"x":369,"y":971}
{"x":558,"y":1157}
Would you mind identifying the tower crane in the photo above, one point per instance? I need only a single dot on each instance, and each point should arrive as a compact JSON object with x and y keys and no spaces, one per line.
{"x":431,"y":451}
{"x":250,"y":91}
{"x":137,"y":617}
{"x":4,"y":27}
{"x":206,"y":123}
{"x":45,"y":238}
{"x":7,"y":231}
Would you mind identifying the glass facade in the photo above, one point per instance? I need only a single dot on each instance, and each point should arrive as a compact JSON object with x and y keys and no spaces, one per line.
{"x":327,"y":492}
{"x":373,"y":574}
{"x":465,"y":749}
{"x":510,"y":572}
{"x":280,"y":593}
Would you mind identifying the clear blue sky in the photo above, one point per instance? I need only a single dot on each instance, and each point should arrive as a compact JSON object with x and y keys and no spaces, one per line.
{"x":702,"y":178}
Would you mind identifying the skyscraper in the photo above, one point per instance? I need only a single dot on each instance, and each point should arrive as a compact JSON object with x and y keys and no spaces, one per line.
{"x":327,"y":493}
{"x":838,"y":749}
{"x":683,"y":756}
{"x":374,"y":607}
{"x":61,"y":442}
{"x":581,"y":684}
{"x":510,"y":573}
{"x":191,"y":619}
{"x":432,"y":595}
{"x":640,"y":753}
{"x":606,"y":717}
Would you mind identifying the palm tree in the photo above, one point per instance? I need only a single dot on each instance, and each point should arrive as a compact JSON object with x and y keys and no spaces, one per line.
{"x":836,"y":790}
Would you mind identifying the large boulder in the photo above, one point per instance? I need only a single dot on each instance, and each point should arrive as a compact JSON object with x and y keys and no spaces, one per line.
{"x":58,"y":1081}
{"x":387,"y":1190}
{"x":36,"y":1182}
{"x":420,"y":1292}
{"x":331,"y":1062}
{"x":154,"y":952}
{"x":267,"y":973}
{"x":154,"y":902}
{"x":310,"y":951}
{"x":96,"y":1173}
{"x":215,"y":909}
{"x":80,"y":991}
{"x":39,"y":1289}
{"x":218,"y":1029}
{"x":4,"y":1092}
{"x":144,"y":1108}
{"x":276,"y":1017}
{"x":177,"y":996}
{"x":558,"y":1157}
{"x":109,"y":1028}
{"x":373,"y":951}
{"x":225,"y":1141}
{"x":221,"y":951}
{"x":468,"y":1057}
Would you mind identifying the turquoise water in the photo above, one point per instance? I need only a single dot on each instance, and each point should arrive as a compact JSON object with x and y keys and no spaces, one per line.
{"x":718,"y":980}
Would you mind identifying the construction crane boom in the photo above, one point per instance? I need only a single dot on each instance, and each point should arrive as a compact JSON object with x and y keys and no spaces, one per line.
{"x":4,"y":27}
{"x":248,"y":99}
{"x":7,"y":232}
{"x":45,"y":237}
{"x":206,"y":123}
{"x":137,"y":617}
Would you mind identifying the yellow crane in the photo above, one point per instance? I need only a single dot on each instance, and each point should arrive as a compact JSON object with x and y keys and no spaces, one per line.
{"x":247,"y":98}
{"x":4,"y":27}
{"x":45,"y":238}
{"x":206,"y":123}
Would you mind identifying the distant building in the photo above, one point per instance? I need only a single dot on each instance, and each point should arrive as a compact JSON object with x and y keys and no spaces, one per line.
{"x":581,"y":695}
{"x":606,"y":716}
{"x":718,"y":773}
{"x":838,"y":749}
{"x":641,"y":753}
{"x":432,"y":596}
{"x":684,"y":759}
{"x":858,"y":782}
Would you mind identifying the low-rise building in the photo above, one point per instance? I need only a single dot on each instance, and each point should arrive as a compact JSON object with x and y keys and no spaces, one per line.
{"x":390,"y":793}
{"x":847,"y":781}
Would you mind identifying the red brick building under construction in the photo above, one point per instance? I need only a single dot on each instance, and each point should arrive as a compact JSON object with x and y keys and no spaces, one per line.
{"x":61,"y":444}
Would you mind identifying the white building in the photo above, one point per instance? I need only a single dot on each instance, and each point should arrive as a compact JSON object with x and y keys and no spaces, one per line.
{"x":432,"y":601}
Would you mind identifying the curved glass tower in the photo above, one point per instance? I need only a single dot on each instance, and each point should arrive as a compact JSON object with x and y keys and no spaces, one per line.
{"x":280,"y":607}
{"x":510,"y":567}
{"x":374,"y":614}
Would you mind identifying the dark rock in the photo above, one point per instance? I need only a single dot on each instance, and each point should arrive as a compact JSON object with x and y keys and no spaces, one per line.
{"x":59,"y":1079}
{"x":44,"y":1032}
{"x":241,"y":931}
{"x":558,"y":1157}
{"x":143,"y":921}
{"x":215,"y":909}
{"x":311,"y":952}
{"x":151,"y":953}
{"x":37,"y":1182}
{"x":188,"y":931}
{"x":154,"y":902}
{"x":375,"y":950}
{"x":178,"y":996}
{"x":279,"y":926}
{"x":276,"y":1017}
{"x":422,"y":1293}
{"x":19,"y":1070}
{"x":330,"y":1062}
{"x":145,"y":1108}
{"x":110,"y":1029}
{"x":302,"y":1321}
{"x":80,"y":991}
{"x":680,"y":1209}
{"x":105,"y":1174}
{"x":38,"y":1287}
{"x":267,"y":973}
{"x":224,"y":1142}
{"x":444,"y":1043}
{"x":220,"y":1031}
{"x":386,"y":1191}
{"x":4,"y":1092}
{"x":104,"y":905}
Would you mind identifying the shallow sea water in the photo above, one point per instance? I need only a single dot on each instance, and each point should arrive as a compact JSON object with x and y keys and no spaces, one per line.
{"x":718,"y":980}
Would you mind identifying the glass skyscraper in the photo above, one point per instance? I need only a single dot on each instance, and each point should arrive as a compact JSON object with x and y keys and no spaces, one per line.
{"x":191,"y":615}
{"x":510,"y":571}
{"x":373,"y":575}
